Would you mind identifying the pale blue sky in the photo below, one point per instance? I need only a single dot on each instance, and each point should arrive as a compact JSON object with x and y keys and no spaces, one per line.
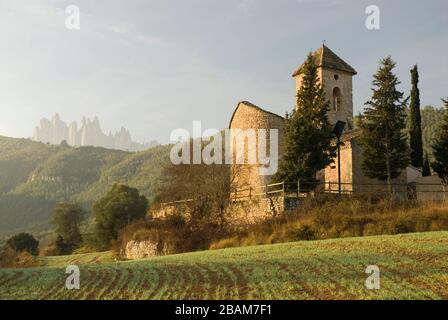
{"x":156,"y":65}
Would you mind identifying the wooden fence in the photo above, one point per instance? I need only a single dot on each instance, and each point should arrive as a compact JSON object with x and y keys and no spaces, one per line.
{"x":304,"y":189}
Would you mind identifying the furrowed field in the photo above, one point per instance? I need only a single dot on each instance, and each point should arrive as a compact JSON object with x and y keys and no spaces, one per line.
{"x":413,"y":266}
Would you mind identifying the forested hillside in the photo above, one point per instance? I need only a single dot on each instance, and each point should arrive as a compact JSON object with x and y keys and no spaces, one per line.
{"x":34,"y":176}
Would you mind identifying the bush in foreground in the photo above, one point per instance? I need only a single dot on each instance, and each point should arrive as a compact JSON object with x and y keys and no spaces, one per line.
{"x":10,"y":258}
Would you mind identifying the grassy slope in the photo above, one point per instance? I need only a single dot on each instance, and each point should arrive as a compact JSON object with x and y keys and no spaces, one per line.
{"x":413,"y":266}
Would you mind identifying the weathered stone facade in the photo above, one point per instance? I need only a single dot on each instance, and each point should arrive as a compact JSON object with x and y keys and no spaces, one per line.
{"x":246,"y":117}
{"x":144,"y":249}
{"x":239,"y":214}
{"x":140,"y":249}
{"x":242,"y":214}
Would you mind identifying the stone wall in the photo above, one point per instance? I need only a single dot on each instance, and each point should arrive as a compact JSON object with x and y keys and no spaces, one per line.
{"x":168,"y":210}
{"x":144,"y":249}
{"x":248,"y":116}
{"x":430,"y":189}
{"x":242,"y":214}
{"x":239,"y":214}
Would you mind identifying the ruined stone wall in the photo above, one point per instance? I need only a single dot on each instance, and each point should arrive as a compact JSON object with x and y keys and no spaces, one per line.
{"x":144,"y":249}
{"x":242,"y":214}
{"x":248,"y":116}
{"x":239,"y":214}
{"x":169,"y":210}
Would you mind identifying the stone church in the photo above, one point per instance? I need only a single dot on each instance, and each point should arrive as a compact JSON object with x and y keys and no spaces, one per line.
{"x":336,"y":79}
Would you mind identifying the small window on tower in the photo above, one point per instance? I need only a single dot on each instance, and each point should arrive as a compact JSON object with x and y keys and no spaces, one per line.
{"x":336,"y":98}
{"x":336,"y":77}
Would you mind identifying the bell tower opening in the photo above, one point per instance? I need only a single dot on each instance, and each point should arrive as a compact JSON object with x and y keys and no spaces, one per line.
{"x":336,"y":98}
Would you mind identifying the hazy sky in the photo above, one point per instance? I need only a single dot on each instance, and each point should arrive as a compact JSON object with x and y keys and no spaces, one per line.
{"x":156,"y":65}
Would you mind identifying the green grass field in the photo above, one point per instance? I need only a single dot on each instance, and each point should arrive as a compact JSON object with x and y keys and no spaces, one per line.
{"x":413,"y":266}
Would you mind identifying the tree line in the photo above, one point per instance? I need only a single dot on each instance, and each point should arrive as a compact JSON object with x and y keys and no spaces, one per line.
{"x":113,"y":212}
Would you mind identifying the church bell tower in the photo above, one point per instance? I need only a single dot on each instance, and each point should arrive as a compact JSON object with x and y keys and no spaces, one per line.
{"x":335,"y":76}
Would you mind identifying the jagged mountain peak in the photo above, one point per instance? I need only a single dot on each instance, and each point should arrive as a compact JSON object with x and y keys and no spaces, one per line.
{"x":55,"y":131}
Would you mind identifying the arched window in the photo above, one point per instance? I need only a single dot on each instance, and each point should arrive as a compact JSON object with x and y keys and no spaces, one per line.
{"x":336,"y":98}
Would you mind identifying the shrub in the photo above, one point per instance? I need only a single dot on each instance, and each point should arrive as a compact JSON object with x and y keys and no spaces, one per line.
{"x":304,"y":233}
{"x":225,"y":243}
{"x":404,"y":226}
{"x":24,"y":242}
{"x":57,"y":247}
{"x":10,"y":258}
{"x":371,"y":229}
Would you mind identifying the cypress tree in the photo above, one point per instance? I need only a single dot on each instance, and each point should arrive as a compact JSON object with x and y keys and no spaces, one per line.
{"x":440,"y":149}
{"x":307,"y":132}
{"x":426,"y":170}
{"x":385,"y":149}
{"x":416,"y":142}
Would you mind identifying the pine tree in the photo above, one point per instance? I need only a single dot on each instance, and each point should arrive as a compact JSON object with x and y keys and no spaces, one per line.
{"x":426,"y":170}
{"x":307,"y":132}
{"x":440,"y":148}
{"x":415,"y":131}
{"x":385,"y":150}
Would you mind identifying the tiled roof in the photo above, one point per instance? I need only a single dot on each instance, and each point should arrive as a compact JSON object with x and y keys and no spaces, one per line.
{"x":328,"y":59}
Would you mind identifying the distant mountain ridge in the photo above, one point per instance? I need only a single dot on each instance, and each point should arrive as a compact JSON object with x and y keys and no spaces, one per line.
{"x":55,"y":131}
